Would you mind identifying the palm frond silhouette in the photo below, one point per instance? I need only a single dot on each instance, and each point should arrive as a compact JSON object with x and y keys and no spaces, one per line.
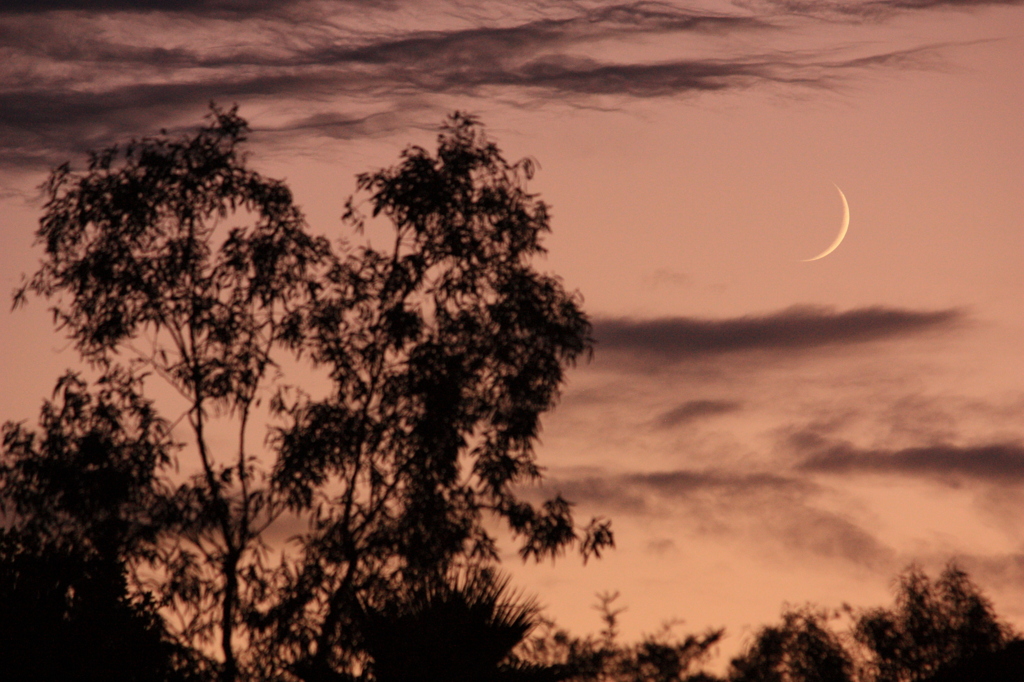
{"x":461,"y":626}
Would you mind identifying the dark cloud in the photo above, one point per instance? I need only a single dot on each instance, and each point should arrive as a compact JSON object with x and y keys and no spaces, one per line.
{"x":931,"y":4}
{"x":64,"y":89}
{"x":1004,"y":572}
{"x":693,"y":410}
{"x":997,"y":462}
{"x":494,"y":44}
{"x":345,"y":127}
{"x":678,"y":338}
{"x":67,"y":87}
{"x":50,"y":123}
{"x":872,"y":9}
{"x":199,"y":7}
{"x":43,"y":125}
{"x":661,"y":546}
{"x":581,"y":76}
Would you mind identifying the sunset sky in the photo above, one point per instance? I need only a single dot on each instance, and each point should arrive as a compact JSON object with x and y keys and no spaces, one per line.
{"x":759,"y":429}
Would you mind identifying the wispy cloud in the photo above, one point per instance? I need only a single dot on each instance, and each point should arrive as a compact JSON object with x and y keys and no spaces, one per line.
{"x":872,"y":9}
{"x":770,"y":512}
{"x":644,"y":493}
{"x":678,"y":338}
{"x":200,"y":7}
{"x":693,"y":410}
{"x":99,"y":72}
{"x":995,"y":462}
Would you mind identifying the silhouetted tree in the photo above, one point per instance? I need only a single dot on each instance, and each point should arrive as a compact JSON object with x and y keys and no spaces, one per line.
{"x":938,"y":632}
{"x":461,"y":628}
{"x":658,"y":657}
{"x":444,"y":349}
{"x":169,"y":257}
{"x":933,"y":627}
{"x":64,"y":616}
{"x":800,"y":649}
{"x":1003,"y":665}
{"x":78,"y":500}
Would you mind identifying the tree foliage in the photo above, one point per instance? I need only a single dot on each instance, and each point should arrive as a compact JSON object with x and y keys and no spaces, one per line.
{"x":941,"y":630}
{"x":461,"y":627}
{"x":80,"y":502}
{"x":66,"y":614}
{"x":933,"y":626}
{"x":444,"y":350}
{"x":802,"y":648}
{"x":658,"y":657}
{"x":169,"y":258}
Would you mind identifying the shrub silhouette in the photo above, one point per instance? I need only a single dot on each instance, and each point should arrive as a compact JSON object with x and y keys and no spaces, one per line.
{"x":460,"y":627}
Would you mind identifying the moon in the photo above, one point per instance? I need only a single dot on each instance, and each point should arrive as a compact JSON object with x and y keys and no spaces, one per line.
{"x":842,"y":230}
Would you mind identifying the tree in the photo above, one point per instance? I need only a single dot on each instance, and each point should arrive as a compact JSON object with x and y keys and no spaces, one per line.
{"x":444,"y":349}
{"x":801,"y":649}
{"x":66,"y":616}
{"x":933,"y":627}
{"x":658,"y":657}
{"x":78,"y":502}
{"x":170,"y":258}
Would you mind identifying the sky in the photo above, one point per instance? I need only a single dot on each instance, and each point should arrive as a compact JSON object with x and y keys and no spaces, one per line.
{"x":760,"y":429}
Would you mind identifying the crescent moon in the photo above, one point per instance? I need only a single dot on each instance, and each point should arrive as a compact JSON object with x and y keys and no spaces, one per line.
{"x":842,"y":230}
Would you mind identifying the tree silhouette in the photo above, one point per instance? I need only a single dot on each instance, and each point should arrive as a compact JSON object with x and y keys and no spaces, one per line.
{"x":1003,"y":665}
{"x":67,"y":616}
{"x":658,"y":657}
{"x":800,"y":649}
{"x":170,"y":258}
{"x":933,"y":627}
{"x":144,"y":281}
{"x":78,"y":499}
{"x":936,"y":632}
{"x":444,"y":348}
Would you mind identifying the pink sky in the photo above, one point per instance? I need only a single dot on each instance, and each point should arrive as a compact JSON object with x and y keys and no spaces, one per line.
{"x":760,"y":429}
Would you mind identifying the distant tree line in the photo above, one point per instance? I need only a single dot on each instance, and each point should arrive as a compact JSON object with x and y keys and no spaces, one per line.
{"x":253,"y":529}
{"x":937,"y":631}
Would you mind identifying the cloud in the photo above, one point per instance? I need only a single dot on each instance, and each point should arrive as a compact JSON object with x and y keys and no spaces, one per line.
{"x":679,"y":338}
{"x":996,"y":462}
{"x":636,"y":492}
{"x":693,"y":410}
{"x":661,"y":546}
{"x":73,"y":82}
{"x":1001,"y":571}
{"x":873,"y":9}
{"x":767,"y":512}
{"x":200,"y":7}
{"x":931,"y":4}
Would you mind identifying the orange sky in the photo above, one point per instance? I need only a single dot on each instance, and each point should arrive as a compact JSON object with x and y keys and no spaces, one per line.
{"x":759,"y":429}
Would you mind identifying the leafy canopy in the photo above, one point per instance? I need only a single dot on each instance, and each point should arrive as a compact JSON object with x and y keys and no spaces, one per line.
{"x":169,"y":258}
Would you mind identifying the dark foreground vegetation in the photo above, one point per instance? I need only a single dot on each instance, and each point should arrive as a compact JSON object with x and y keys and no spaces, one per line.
{"x":248,"y":528}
